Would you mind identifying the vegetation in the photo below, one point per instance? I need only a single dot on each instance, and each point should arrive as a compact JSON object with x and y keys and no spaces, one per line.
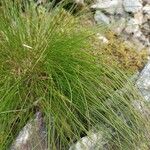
{"x":126,"y":57}
{"x":46,"y":65}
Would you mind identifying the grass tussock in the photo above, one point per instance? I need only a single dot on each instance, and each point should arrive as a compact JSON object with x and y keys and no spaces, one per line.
{"x":46,"y":65}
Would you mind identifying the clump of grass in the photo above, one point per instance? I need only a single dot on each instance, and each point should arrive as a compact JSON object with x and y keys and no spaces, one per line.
{"x":45,"y":64}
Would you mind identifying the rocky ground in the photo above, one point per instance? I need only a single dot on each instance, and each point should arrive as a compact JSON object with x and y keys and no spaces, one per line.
{"x":128,"y":18}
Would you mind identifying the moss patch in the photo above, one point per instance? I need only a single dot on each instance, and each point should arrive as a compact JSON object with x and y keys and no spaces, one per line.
{"x":126,"y":58}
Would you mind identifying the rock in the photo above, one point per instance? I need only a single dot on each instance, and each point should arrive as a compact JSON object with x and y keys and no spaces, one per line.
{"x":119,"y":26}
{"x":79,"y":2}
{"x":138,"y":35}
{"x":141,"y":107}
{"x":137,"y":43}
{"x":132,"y":26}
{"x":119,"y":9}
{"x":39,"y":2}
{"x":142,"y":39}
{"x":102,"y":38}
{"x":143,"y":82}
{"x":146,"y":2}
{"x":108,"y":6}
{"x":94,"y":141}
{"x":139,"y":17}
{"x":132,"y":6}
{"x":101,"y":18}
{"x":32,"y":135}
{"x":146,"y":12}
{"x":146,"y":29}
{"x":146,"y":9}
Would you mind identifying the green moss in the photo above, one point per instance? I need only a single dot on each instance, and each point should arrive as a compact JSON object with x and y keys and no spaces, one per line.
{"x":117,"y":51}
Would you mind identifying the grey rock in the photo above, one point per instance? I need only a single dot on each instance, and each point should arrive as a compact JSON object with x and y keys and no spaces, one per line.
{"x":39,"y":2}
{"x":94,"y":141}
{"x":119,"y":26}
{"x":138,"y":35}
{"x":137,"y":44}
{"x":146,"y":29}
{"x":32,"y":136}
{"x":141,"y":38}
{"x":120,"y":9}
{"x":109,"y":6}
{"x":142,"y":108}
{"x":143,"y":82}
{"x":146,"y":12}
{"x":132,"y":6}
{"x":132,"y":26}
{"x":79,"y":2}
{"x":146,"y":9}
{"x":139,"y":17}
{"x":146,"y":1}
{"x":101,"y":18}
{"x":102,"y":38}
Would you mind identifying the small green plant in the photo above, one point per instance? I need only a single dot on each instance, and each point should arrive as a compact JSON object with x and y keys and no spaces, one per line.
{"x":45,"y":64}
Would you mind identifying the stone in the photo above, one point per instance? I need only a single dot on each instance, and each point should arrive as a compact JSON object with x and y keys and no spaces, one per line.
{"x":145,"y":41}
{"x":139,"y":17}
{"x":101,"y":18}
{"x":108,"y":6}
{"x":146,"y":12}
{"x":94,"y":141}
{"x":146,"y":19}
{"x":143,"y":82}
{"x":146,"y":29}
{"x":132,"y":6}
{"x":146,"y":2}
{"x":119,"y":9}
{"x":33,"y":135}
{"x":146,"y":9}
{"x":132,"y":26}
{"x":119,"y":26}
{"x":39,"y":2}
{"x":79,"y":2}
{"x":102,"y":38}
{"x":141,"y":107}
{"x":138,"y":35}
